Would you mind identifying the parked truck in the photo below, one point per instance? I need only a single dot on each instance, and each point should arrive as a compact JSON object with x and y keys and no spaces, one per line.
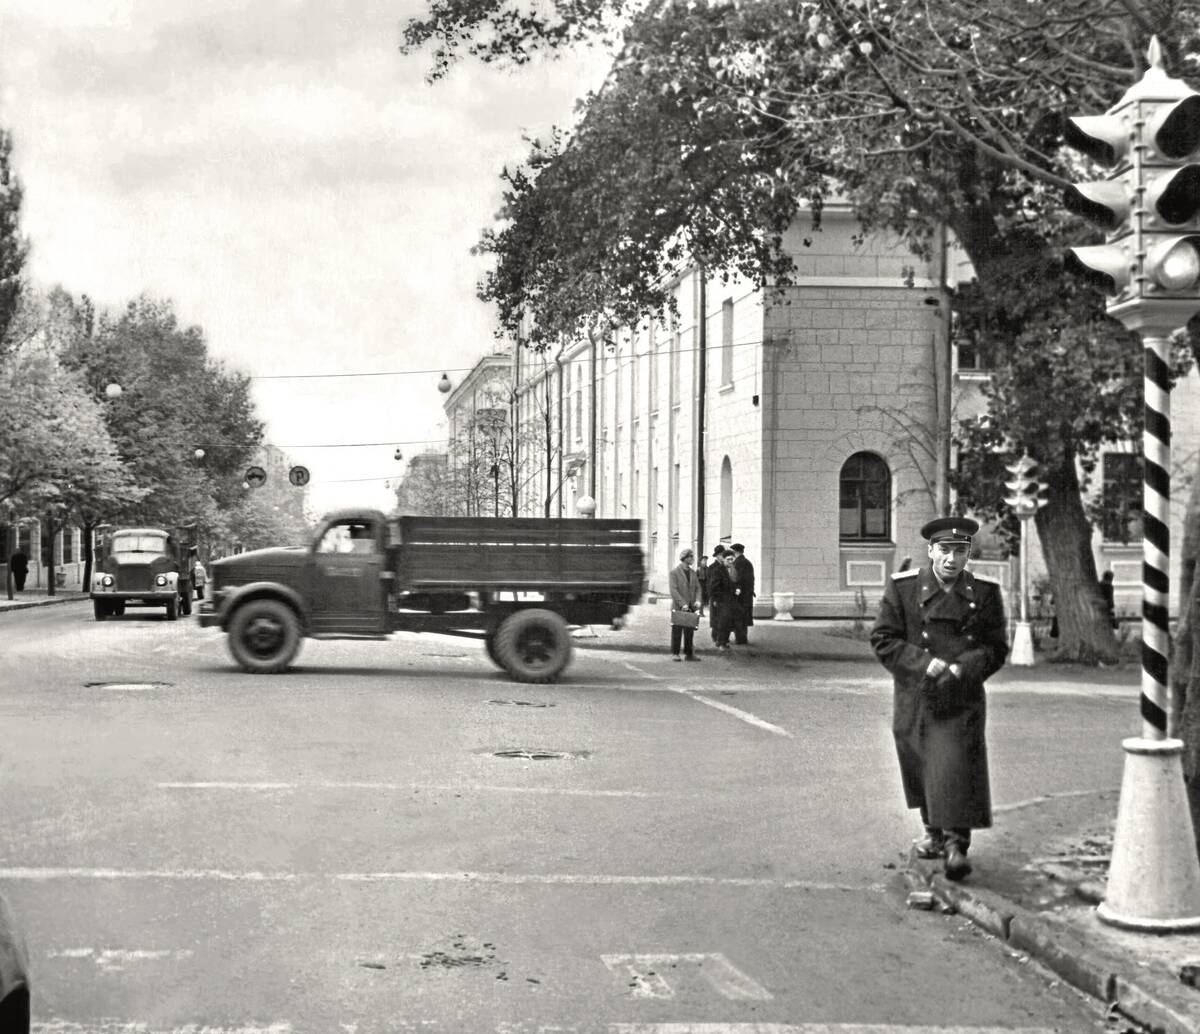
{"x":144,"y":567}
{"x":516,"y":583}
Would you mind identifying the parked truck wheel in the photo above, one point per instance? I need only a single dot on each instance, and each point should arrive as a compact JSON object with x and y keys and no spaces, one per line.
{"x":101,"y":609}
{"x":173,"y":608}
{"x":264,"y":636}
{"x":534,"y":645}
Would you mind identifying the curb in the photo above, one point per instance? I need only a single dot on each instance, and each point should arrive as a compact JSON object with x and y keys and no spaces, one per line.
{"x":5,"y":606}
{"x":1150,"y":999}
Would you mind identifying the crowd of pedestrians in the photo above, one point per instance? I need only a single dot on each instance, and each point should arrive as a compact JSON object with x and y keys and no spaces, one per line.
{"x":722,"y":584}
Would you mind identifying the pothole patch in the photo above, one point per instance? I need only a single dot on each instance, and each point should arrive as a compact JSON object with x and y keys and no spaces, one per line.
{"x":127,"y":687}
{"x":523,"y":703}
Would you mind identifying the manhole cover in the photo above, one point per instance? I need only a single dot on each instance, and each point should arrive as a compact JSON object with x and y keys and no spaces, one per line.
{"x":522,"y":703}
{"x":126,"y":686}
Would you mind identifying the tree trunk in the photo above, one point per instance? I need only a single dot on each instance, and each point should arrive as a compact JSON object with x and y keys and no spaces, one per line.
{"x":1084,"y":632}
{"x":86,"y":545}
{"x":51,"y":529}
{"x":1185,"y":659}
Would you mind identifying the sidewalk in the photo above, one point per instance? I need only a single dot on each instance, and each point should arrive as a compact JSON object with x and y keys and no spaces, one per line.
{"x":1039,"y":874}
{"x":38,"y":598}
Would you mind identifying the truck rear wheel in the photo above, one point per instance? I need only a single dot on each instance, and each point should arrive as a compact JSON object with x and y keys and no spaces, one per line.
{"x":264,"y":636}
{"x":533,"y":645}
{"x":489,"y":644}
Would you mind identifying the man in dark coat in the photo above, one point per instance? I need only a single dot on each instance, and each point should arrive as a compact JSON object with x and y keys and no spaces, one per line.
{"x":18,"y":563}
{"x":720,"y":599}
{"x":743,"y":607}
{"x":941,"y":633}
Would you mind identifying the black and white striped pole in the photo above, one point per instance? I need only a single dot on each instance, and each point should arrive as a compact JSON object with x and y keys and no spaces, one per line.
{"x":1025,"y":501}
{"x":1150,"y":269}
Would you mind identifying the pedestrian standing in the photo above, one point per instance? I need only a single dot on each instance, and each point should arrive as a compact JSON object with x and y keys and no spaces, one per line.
{"x":685,"y":606}
{"x":720,"y":599}
{"x":941,"y":633}
{"x":1106,"y":593}
{"x":743,"y":611}
{"x":702,"y":577}
{"x":18,"y":563}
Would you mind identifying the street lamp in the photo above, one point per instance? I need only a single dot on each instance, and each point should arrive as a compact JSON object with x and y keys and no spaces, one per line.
{"x":397,"y":455}
{"x":199,"y":454}
{"x":444,"y":385}
{"x":113,"y":390}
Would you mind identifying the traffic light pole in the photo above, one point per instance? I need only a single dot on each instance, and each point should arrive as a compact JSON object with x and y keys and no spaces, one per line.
{"x":1150,"y":269}
{"x":1154,"y":875}
{"x":1156,"y":538}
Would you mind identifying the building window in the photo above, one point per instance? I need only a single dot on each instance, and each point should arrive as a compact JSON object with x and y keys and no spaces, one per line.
{"x":653,"y":359}
{"x":726,"y":501}
{"x":578,"y":403}
{"x":1121,"y":498}
{"x":68,"y":545}
{"x":864,"y":499}
{"x":727,"y":343}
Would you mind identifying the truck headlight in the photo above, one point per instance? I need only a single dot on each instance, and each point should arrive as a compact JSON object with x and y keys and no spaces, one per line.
{"x":161,"y":580}
{"x":108,"y":581}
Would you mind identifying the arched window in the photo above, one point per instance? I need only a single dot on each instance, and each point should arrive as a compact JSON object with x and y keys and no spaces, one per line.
{"x":865,"y":499}
{"x":726,"y":500}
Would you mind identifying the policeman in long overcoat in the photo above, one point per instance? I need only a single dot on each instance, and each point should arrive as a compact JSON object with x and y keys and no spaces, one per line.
{"x":941,"y":633}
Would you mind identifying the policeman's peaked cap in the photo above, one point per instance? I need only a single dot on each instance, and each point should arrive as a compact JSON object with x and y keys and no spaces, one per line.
{"x":950,"y":529}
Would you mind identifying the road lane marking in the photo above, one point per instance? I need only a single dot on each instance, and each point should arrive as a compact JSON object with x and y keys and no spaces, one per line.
{"x":135,"y":1027}
{"x":32,"y":874}
{"x":738,"y":713}
{"x":648,"y":981}
{"x":642,"y":671}
{"x":810,"y":1028}
{"x":115,"y":959}
{"x":443,"y":788}
{"x":1029,"y":802}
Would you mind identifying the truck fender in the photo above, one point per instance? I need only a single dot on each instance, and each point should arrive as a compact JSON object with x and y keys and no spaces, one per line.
{"x":263,"y":590}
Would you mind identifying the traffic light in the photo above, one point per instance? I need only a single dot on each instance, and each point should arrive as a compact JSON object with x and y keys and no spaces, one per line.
{"x":1150,"y":204}
{"x":1026,"y":498}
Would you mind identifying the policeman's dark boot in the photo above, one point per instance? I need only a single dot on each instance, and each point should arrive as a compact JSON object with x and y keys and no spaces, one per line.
{"x":958,"y":842}
{"x":932,"y":844}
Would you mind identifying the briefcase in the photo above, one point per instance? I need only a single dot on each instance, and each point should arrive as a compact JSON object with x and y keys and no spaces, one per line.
{"x":685,"y":618}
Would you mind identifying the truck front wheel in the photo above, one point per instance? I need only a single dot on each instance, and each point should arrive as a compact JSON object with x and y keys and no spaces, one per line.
{"x":102,"y":609}
{"x":533,"y":645}
{"x":264,"y":636}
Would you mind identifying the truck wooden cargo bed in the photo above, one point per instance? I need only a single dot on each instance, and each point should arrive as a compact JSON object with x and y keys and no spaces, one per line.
{"x":547,"y":555}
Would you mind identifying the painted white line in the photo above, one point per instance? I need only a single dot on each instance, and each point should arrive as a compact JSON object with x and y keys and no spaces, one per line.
{"x":124,"y":1027}
{"x":39,"y":874}
{"x":641,"y":671}
{"x":744,"y":716}
{"x":810,"y":1028}
{"x":1029,"y":802}
{"x":498,"y":878}
{"x":116,"y":959}
{"x":647,"y":979}
{"x":434,"y":787}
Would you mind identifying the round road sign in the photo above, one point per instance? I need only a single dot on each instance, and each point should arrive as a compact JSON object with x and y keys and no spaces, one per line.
{"x":255,"y":476}
{"x":298,"y":476}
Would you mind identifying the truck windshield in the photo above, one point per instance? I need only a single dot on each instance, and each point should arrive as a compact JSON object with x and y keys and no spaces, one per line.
{"x":139,"y":544}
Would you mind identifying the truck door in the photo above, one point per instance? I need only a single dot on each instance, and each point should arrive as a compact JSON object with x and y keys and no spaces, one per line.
{"x":348,"y":593}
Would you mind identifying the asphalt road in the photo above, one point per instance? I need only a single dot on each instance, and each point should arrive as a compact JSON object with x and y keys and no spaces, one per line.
{"x":374,"y":841}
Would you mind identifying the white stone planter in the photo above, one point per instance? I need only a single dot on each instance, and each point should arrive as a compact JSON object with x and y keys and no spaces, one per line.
{"x":784,"y":601}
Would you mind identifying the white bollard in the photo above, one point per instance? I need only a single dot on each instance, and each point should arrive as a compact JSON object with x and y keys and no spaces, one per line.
{"x":1022,"y":646}
{"x":1154,"y":875}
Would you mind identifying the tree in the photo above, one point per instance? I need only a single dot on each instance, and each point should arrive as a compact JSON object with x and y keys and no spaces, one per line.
{"x":56,"y":457}
{"x":175,"y":401}
{"x":13,"y":247}
{"x":719,"y":119}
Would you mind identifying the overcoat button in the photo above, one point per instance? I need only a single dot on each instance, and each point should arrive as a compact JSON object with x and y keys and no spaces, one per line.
{"x":924,"y":635}
{"x":971,"y":604}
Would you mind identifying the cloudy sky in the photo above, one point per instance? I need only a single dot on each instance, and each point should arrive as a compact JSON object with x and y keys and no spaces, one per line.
{"x":283,"y":174}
